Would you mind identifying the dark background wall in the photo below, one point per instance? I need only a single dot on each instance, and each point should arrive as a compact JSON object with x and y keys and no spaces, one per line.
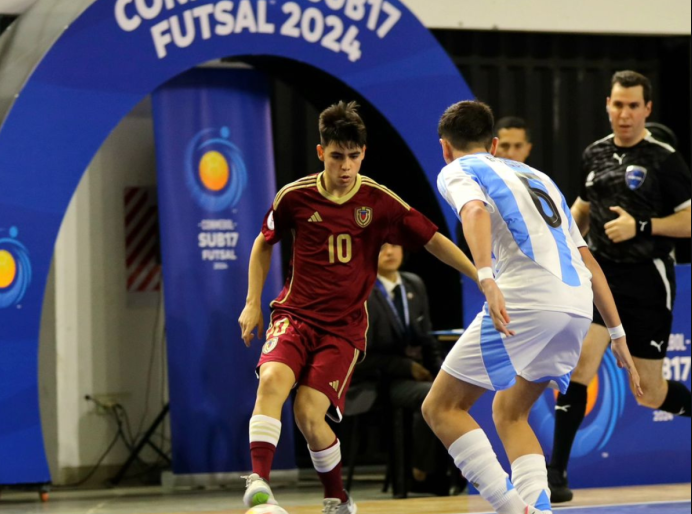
{"x":558,"y":82}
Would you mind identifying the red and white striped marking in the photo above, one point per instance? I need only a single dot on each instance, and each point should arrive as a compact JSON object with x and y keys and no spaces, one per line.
{"x":142,"y":244}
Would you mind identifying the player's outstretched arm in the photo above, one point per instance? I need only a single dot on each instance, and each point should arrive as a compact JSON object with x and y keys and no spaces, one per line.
{"x":251,"y":317}
{"x":605,"y":303}
{"x":477,"y":226}
{"x":449,"y":253}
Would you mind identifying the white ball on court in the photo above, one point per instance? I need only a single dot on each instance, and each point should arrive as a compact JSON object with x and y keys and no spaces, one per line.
{"x":266,"y":509}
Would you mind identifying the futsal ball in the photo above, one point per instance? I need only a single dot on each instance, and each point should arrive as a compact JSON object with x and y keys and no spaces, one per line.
{"x":266,"y":509}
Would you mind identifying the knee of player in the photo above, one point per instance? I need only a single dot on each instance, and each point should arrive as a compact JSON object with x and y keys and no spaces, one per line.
{"x":427,"y":411}
{"x":504,"y":415}
{"x":652,"y":399}
{"x":583,"y":375}
{"x":273,"y":383}
{"x":307,"y":418}
{"x":432,"y":408}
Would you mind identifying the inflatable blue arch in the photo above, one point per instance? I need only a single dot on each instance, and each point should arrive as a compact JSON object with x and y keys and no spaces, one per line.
{"x":105,"y":62}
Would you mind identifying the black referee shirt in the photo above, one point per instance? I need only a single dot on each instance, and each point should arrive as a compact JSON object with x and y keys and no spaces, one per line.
{"x":648,"y":180}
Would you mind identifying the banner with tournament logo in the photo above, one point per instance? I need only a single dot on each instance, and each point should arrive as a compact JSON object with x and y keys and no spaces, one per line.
{"x":216,"y":182}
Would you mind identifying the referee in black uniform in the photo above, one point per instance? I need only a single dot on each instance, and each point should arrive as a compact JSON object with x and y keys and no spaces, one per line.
{"x":635,"y":201}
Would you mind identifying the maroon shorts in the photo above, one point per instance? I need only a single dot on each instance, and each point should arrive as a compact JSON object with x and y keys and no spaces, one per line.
{"x":319,"y":360}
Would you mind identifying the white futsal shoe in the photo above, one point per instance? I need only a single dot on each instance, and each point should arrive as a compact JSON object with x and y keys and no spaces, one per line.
{"x":257,"y":492}
{"x":334,"y":506}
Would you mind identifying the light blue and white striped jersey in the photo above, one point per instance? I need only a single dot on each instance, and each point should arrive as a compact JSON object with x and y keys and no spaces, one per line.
{"x":535,"y":239}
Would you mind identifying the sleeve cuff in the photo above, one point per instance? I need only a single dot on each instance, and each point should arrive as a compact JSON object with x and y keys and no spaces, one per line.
{"x":490,"y":207}
{"x":684,"y":206}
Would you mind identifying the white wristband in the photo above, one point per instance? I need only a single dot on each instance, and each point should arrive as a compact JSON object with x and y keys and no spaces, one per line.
{"x":617,"y":332}
{"x":485,"y":273}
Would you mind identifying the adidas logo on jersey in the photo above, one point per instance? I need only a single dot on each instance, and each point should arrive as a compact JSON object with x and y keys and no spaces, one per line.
{"x":335,"y":385}
{"x":315,"y":218}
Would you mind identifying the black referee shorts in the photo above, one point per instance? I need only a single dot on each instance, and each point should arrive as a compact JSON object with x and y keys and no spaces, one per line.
{"x":644,"y":295}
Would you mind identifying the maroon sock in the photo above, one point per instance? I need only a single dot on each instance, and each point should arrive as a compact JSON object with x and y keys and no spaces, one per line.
{"x":262,"y":458}
{"x":334,"y":484}
{"x":331,"y":480}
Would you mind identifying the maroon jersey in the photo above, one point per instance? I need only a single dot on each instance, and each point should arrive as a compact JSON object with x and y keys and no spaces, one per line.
{"x":336,"y":245}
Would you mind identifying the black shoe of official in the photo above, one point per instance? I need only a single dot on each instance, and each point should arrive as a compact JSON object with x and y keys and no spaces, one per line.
{"x":559,"y":486}
{"x":436,"y":485}
{"x":458,"y":483}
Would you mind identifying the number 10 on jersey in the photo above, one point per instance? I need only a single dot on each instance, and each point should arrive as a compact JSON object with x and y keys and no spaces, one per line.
{"x":340,"y":248}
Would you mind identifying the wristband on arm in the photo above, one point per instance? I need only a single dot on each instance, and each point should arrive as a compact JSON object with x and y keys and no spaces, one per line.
{"x":645,"y":227}
{"x":617,"y":333}
{"x":485,"y":273}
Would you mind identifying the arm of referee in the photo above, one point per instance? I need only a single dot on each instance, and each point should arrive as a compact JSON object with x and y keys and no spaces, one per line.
{"x":678,"y":225}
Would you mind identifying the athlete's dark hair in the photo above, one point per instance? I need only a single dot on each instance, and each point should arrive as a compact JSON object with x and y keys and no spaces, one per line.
{"x":341,"y":123}
{"x":468,"y":124}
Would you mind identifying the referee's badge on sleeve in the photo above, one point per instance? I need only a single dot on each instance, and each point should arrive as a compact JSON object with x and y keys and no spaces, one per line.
{"x":635,"y":177}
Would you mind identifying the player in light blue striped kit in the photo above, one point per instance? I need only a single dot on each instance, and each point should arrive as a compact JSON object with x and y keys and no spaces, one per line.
{"x":540,"y":282}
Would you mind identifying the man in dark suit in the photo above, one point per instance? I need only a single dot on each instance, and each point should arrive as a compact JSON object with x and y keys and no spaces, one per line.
{"x":403,"y":354}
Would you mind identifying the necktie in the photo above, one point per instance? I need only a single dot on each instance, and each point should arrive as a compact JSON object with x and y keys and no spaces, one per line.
{"x":399,"y":304}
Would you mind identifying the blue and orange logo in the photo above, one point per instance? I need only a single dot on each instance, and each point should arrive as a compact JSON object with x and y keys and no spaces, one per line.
{"x":215,"y":170}
{"x":15,"y":269}
{"x":605,"y":405}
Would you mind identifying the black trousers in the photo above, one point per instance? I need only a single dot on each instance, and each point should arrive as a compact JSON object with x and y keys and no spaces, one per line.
{"x":429,"y":455}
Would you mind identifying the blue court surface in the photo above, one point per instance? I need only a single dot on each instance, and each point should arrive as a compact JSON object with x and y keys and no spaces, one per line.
{"x":646,"y":508}
{"x":649,"y":508}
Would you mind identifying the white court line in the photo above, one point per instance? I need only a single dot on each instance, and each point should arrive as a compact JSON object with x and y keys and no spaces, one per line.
{"x":559,"y":509}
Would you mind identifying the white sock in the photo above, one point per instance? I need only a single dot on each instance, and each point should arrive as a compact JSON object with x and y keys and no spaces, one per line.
{"x":264,"y":429}
{"x":474,"y":456}
{"x":326,"y":460}
{"x":530,"y":477}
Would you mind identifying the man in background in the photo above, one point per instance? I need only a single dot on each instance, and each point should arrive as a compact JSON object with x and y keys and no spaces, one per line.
{"x":515,"y":139}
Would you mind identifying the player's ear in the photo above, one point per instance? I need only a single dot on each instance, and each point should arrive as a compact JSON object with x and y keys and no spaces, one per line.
{"x":446,"y":151}
{"x":494,"y":145}
{"x":363,"y":151}
{"x":320,"y":153}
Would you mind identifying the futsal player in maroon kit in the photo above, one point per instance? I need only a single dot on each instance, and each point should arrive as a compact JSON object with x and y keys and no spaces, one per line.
{"x":339,"y":220}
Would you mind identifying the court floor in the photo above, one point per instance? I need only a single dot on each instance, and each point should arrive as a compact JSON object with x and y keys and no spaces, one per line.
{"x":652,"y":508}
{"x":672,"y":499}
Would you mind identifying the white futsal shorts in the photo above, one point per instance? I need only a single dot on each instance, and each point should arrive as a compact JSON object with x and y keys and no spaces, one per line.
{"x":546,"y":348}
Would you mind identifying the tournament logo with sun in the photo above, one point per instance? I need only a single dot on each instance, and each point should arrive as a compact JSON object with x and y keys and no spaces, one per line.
{"x":15,"y":269}
{"x":605,"y":405}
{"x":214,"y":170}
